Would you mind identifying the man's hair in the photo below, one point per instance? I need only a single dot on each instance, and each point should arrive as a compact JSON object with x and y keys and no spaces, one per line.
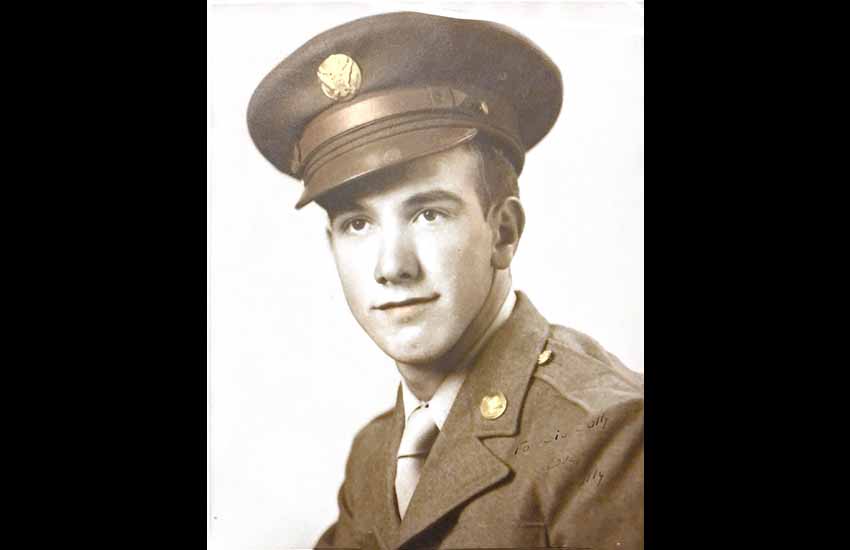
{"x":498,"y":178}
{"x":496,"y":182}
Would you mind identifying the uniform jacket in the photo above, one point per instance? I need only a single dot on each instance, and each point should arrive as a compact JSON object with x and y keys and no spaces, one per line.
{"x":562,"y":466}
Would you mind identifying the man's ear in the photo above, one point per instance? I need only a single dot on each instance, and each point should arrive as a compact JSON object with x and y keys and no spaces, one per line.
{"x":507,"y":220}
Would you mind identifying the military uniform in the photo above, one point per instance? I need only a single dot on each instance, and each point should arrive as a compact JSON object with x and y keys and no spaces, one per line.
{"x":562,"y":465}
{"x":543,"y":444}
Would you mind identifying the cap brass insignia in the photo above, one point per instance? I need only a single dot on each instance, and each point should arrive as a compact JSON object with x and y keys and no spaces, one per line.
{"x":492,"y":406}
{"x":339,"y":76}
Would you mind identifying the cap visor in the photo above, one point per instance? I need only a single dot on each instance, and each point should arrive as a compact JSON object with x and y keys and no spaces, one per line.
{"x":377,"y":153}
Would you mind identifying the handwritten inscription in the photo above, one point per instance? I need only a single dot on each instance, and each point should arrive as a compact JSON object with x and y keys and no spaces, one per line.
{"x":568,"y":459}
{"x":598,"y":423}
{"x":592,"y":480}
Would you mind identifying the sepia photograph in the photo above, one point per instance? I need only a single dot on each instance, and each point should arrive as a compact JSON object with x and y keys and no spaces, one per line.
{"x":425,"y":250}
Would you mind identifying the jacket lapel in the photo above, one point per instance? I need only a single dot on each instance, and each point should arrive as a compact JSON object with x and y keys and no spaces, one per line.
{"x":382,"y":476}
{"x":460,"y":465}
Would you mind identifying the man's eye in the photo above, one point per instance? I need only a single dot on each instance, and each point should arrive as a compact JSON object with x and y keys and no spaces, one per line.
{"x":357,"y":225}
{"x":429,"y":215}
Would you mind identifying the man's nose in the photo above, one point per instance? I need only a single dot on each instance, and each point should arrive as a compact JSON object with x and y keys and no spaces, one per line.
{"x":397,"y":261}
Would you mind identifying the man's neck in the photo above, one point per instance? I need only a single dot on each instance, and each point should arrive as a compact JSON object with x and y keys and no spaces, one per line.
{"x":424,"y":379}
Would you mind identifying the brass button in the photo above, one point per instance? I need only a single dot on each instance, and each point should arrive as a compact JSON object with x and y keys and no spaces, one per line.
{"x":492,"y":406}
{"x":545,"y":357}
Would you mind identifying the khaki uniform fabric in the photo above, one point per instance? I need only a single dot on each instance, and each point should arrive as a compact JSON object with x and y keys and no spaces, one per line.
{"x":561,"y":466}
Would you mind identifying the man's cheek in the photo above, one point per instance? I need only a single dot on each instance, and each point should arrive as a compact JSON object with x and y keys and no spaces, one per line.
{"x":470,"y":251}
{"x":355,"y":276}
{"x":353,"y":259}
{"x":445,"y":247}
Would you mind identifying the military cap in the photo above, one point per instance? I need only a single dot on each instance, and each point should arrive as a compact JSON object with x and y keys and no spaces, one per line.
{"x":385,"y":89}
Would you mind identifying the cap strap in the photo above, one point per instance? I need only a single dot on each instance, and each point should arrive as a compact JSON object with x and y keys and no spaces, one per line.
{"x":380,"y":106}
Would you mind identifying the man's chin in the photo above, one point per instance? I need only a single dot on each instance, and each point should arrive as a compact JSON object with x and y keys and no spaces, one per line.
{"x":418,"y":345}
{"x":415,"y":352}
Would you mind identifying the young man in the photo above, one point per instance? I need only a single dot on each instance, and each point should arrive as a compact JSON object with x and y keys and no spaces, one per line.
{"x":410,"y":130}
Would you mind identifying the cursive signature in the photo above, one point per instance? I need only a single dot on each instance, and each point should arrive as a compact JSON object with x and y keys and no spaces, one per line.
{"x":595,"y":424}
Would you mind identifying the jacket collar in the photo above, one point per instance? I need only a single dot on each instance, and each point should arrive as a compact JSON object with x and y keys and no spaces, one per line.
{"x":460,"y":465}
{"x":443,"y":399}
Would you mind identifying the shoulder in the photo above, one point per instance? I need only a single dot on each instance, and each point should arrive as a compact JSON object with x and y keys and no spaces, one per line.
{"x":582,"y":403}
{"x":581,"y":374}
{"x":374,"y":432}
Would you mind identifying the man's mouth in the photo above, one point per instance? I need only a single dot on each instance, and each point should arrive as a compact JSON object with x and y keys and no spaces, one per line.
{"x":408,"y":302}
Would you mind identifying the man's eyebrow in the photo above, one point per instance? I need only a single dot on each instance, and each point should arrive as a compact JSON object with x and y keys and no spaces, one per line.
{"x":419,"y":199}
{"x":432,"y":196}
{"x":347,"y":208}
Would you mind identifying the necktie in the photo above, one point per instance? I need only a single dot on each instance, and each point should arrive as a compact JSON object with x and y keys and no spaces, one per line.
{"x":419,"y":434}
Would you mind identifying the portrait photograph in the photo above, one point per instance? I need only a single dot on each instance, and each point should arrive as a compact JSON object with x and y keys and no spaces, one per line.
{"x":425,"y":258}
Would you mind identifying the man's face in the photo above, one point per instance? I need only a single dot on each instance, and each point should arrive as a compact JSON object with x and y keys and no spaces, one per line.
{"x":413,"y":251}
